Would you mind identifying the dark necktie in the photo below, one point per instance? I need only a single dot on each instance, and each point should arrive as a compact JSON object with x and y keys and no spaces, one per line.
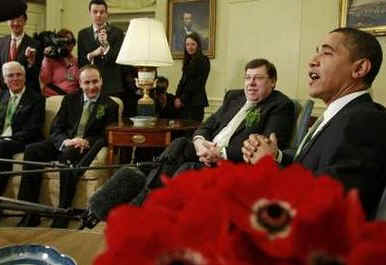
{"x":307,"y":138}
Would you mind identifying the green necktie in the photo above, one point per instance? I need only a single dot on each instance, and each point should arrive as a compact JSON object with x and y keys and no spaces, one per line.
{"x":308,"y":136}
{"x":10,"y":111}
{"x":87,"y":108}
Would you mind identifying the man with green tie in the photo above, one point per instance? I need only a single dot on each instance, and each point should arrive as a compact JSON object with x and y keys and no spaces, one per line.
{"x":21,"y":116}
{"x":76,"y":136}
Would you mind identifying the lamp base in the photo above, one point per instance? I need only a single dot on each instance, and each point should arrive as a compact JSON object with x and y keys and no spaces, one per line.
{"x":143,"y":121}
{"x":145,"y":109}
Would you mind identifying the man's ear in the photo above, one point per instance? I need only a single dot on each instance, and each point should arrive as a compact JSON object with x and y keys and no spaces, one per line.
{"x":361,"y":68}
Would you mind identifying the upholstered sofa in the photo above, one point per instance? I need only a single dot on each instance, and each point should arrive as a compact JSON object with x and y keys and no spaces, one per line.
{"x":88,"y":183}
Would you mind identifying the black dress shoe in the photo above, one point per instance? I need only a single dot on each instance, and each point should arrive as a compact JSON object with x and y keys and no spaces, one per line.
{"x":29,"y":220}
{"x":60,"y":222}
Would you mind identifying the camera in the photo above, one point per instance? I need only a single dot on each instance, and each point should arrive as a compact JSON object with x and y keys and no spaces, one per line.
{"x":57,"y":43}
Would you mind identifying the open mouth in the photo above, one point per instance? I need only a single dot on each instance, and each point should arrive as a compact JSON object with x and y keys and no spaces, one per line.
{"x":313,"y":75}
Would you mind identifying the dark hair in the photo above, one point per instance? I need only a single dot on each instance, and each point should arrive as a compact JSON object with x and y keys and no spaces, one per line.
{"x":187,"y":57}
{"x":162,"y":79}
{"x":255,"y":63}
{"x":165,"y":84}
{"x":97,"y":2}
{"x":89,"y":67}
{"x":362,"y":44}
{"x":64,"y":32}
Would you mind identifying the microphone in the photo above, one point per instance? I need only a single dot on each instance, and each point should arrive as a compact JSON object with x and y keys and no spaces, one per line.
{"x":123,"y":187}
{"x":41,"y":209}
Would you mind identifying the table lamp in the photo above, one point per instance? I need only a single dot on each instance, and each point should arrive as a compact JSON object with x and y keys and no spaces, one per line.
{"x":146,"y":47}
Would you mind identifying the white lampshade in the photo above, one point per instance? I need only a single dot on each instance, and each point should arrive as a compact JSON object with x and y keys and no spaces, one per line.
{"x":145,"y":44}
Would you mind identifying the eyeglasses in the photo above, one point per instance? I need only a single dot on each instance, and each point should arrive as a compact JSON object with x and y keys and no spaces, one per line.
{"x":255,"y":77}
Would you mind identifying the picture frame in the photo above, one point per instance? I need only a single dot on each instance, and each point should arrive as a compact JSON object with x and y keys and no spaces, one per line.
{"x":369,"y":15}
{"x":185,"y":16}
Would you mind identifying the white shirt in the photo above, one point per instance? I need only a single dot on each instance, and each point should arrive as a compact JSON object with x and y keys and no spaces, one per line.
{"x":18,"y":39}
{"x":330,"y":112}
{"x":336,"y":106}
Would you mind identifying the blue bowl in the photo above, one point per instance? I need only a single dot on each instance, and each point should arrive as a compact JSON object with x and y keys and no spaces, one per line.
{"x":33,"y":255}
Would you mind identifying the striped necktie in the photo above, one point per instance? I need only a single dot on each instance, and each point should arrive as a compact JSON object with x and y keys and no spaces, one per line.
{"x":87,"y":108}
{"x":13,"y":50}
{"x":307,"y":138}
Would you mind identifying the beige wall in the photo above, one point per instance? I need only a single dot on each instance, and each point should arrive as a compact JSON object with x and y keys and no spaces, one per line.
{"x":283,"y":31}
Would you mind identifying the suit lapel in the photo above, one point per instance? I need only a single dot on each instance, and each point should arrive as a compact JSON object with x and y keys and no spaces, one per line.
{"x":360,"y":99}
{"x":242,"y":124}
{"x":22,"y":102}
{"x":233,"y":107}
{"x":92,"y":119}
{"x":312,"y":141}
{"x":5,"y":49}
{"x":78,"y":109}
{"x":92,"y":39}
{"x":3,"y":108}
{"x":22,"y":47}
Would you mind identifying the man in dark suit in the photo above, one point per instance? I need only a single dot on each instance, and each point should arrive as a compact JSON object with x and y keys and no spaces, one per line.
{"x":258,"y":108}
{"x":347,"y":142}
{"x":18,"y":46}
{"x":102,"y":54}
{"x":77,"y":135}
{"x":21,"y":116}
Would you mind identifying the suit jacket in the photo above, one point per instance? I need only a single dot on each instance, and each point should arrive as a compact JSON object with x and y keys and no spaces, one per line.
{"x":351,"y":148}
{"x":32,"y":73}
{"x":191,"y":87}
{"x":28,"y":119}
{"x":111,"y":71}
{"x":66,"y":121}
{"x":277,"y":114}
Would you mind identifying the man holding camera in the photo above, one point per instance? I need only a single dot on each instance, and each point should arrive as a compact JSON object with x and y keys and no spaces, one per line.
{"x":59,"y":73}
{"x":99,"y":44}
{"x":18,"y":46}
{"x":164,"y":101}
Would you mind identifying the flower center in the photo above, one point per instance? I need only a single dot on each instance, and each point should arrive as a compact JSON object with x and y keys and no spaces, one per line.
{"x":274,"y":217}
{"x":181,"y":257}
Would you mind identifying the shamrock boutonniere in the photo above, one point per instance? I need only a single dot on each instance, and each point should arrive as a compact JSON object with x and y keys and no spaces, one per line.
{"x":100,"y":111}
{"x":253,"y":117}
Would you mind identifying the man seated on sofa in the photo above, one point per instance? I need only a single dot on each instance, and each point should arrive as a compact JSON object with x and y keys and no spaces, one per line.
{"x":21,"y":116}
{"x":257,"y":108}
{"x":77,"y":135}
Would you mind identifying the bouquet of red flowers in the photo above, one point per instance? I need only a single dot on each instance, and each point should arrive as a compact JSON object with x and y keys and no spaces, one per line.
{"x":243,"y":214}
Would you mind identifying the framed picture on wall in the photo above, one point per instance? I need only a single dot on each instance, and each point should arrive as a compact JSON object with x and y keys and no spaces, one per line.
{"x":186,"y":16}
{"x":367,"y":15}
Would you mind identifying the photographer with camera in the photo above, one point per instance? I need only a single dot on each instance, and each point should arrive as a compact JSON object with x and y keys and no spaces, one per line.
{"x":59,"y":74}
{"x":164,"y":101}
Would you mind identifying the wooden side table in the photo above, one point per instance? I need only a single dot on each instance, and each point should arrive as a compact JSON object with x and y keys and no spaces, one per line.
{"x":157,"y":134}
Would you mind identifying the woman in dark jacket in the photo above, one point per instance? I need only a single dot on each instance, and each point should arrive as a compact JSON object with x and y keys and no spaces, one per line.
{"x":191,"y":97}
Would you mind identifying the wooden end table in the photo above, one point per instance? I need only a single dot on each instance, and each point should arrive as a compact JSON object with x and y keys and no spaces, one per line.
{"x":157,"y":134}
